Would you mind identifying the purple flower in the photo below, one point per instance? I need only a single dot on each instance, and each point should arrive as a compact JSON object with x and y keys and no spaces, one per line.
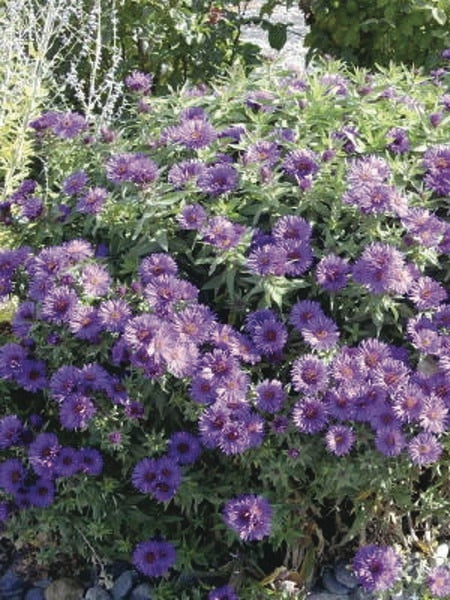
{"x":301,"y":164}
{"x":92,"y":202}
{"x":269,"y":337}
{"x":58,"y":305}
{"x":191,"y":217}
{"x":437,"y":162}
{"x":76,"y":411}
{"x":222,"y":233}
{"x":299,"y":257}
{"x":43,"y":454}
{"x":184,"y":172}
{"x":32,"y":377}
{"x":321,"y":333}
{"x":11,"y":428}
{"x":91,"y":461}
{"x":135,"y":168}
{"x":303,"y":313}
{"x":138,"y":81}
{"x":267,"y":260}
{"x":438,"y":581}
{"x":426,"y":293}
{"x":226,"y":592}
{"x":184,"y":447}
{"x":153,"y":557}
{"x":202,"y":390}
{"x":84,"y":323}
{"x":310,"y":415}
{"x":67,"y":463}
{"x":424,"y":449}
{"x":32,"y":208}
{"x":270,"y":395}
{"x":42,"y":493}
{"x":156,"y":264}
{"x":75,"y":183}
{"x":434,"y":417}
{"x":140,"y":332}
{"x":261,"y":100}
{"x":262,"y":153}
{"x":390,"y":441}
{"x":217,"y":180}
{"x":23,"y":319}
{"x":95,"y":280}
{"x":331,"y":272}
{"x":114,"y":314}
{"x":12,"y":475}
{"x":398,"y":141}
{"x":291,"y":227}
{"x":195,"y":133}
{"x":377,"y":568}
{"x":68,"y":125}
{"x":248,"y":515}
{"x":77,"y":250}
{"x":382,"y":269}
{"x":339,"y":439}
{"x":194,"y":323}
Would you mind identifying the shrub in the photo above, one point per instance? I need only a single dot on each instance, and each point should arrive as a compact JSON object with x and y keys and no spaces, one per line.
{"x":368,"y":33}
{"x":232,"y":329}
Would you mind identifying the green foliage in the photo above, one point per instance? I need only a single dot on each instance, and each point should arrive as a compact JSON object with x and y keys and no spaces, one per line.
{"x":370,"y":32}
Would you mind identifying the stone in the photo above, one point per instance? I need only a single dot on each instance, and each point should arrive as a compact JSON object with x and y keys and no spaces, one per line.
{"x":66,"y":588}
{"x":11,"y":586}
{"x":97,"y":593}
{"x":123,"y":585}
{"x":345,"y":576}
{"x":143,"y":591}
{"x":360,"y":594}
{"x":331,"y":584}
{"x":35,"y":593}
{"x":325,"y":596}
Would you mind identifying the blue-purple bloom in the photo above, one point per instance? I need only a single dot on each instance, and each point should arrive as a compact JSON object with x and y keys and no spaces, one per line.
{"x":225,"y":592}
{"x":270,"y":395}
{"x":153,"y":557}
{"x":140,"y":82}
{"x":310,"y":415}
{"x":218,"y":180}
{"x":249,"y":515}
{"x":438,"y":581}
{"x":92,"y":201}
{"x":43,"y":454}
{"x":339,"y":439}
{"x":377,"y":568}
{"x":332,"y":272}
{"x":191,"y":217}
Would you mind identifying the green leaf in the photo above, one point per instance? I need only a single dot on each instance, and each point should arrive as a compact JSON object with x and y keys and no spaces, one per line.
{"x":277,"y":35}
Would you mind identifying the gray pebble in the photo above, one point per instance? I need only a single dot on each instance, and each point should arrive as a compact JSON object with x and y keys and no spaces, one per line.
{"x":123,"y":585}
{"x":326,"y":596}
{"x":331,"y":584}
{"x":345,"y":576}
{"x":143,"y":591}
{"x":97,"y":593}
{"x":35,"y":593}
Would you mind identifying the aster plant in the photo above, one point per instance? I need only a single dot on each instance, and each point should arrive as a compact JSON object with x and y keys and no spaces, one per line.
{"x":231,"y":330}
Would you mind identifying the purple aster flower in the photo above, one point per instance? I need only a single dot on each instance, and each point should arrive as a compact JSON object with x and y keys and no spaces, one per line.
{"x":163,"y":292}
{"x":68,"y":125}
{"x":11,"y":428}
{"x":346,"y":367}
{"x":299,"y":257}
{"x":91,"y":461}
{"x":114,"y":314}
{"x":321,"y":333}
{"x":145,"y":475}
{"x":128,"y":167}
{"x":23,"y":319}
{"x":12,"y":475}
{"x":437,"y":162}
{"x":191,"y":217}
{"x":181,"y":357}
{"x":309,"y":374}
{"x":85,"y":324}
{"x":94,"y":378}
{"x":193,"y":112}
{"x":377,"y":568}
{"x":424,"y":449}
{"x":382,"y":269}
{"x":64,"y":382}
{"x":76,"y":411}
{"x":348,"y":137}
{"x":12,"y":358}
{"x":75,"y":183}
{"x":262,"y":153}
{"x":218,"y":365}
{"x":184,"y":172}
{"x":310,"y":415}
{"x":235,"y":132}
{"x":438,"y":581}
{"x":77,"y":250}
{"x":140,"y":82}
{"x":92,"y":202}
{"x":270,"y":395}
{"x":156,"y":264}
{"x":408,"y":403}
{"x":42,"y":493}
{"x":261,"y":100}
{"x":398,"y":141}
{"x":194,"y":323}
{"x":211,"y":424}
{"x":67,"y":463}
{"x":390,"y":441}
{"x":184,"y":447}
{"x":248,"y":515}
{"x":423,"y":227}
{"x":140,"y":332}
{"x":233,"y":438}
{"x":300,"y":164}
{"x":153,"y":557}
{"x":335,"y":84}
{"x":391,"y":374}
{"x":339,"y":439}
{"x":427,"y":293}
{"x":58,"y":305}
{"x":371,"y":352}
{"x":202,"y":390}
{"x":291,"y":228}
{"x":43,"y":454}
{"x":222,"y":233}
{"x":434,"y":417}
{"x":303,"y":313}
{"x":340,"y":402}
{"x":195,"y":133}
{"x":225,"y":592}
{"x":33,"y":375}
{"x":168,"y":479}
{"x":218,"y":180}
{"x":95,"y":280}
{"x":269,"y":259}
{"x":332,"y":272}
{"x":269,"y":337}
{"x":32,"y":208}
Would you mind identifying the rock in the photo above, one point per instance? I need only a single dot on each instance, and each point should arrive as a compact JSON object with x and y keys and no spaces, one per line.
{"x":332,"y":585}
{"x":12,"y":586}
{"x":360,"y":594}
{"x":97,"y":593}
{"x":116,"y":568}
{"x":123,"y":585}
{"x":143,"y":591}
{"x":325,"y":596}
{"x":66,"y":588}
{"x":35,"y":593}
{"x":345,"y":576}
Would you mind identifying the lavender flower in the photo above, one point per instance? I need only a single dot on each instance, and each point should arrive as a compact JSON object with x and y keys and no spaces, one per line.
{"x":76,"y":411}
{"x":43,"y":453}
{"x":184,"y":447}
{"x":310,"y":415}
{"x":270,"y":395}
{"x":267,"y":260}
{"x":222,"y":233}
{"x":377,"y":568}
{"x":263,"y":153}
{"x":75,"y":183}
{"x":339,"y":439}
{"x":398,"y":141}
{"x":424,"y":449}
{"x":194,"y":134}
{"x":68,"y":125}
{"x":249,"y":515}
{"x":95,"y":280}
{"x":331,"y":273}
{"x":225,"y":592}
{"x":11,"y":428}
{"x":217,"y":180}
{"x":303,"y":313}
{"x":153,"y":557}
{"x":300,"y":164}
{"x":192,"y":216}
{"x":140,"y":82}
{"x":426,"y":293}
{"x":438,"y":581}
{"x":114,"y":314}
{"x":184,"y":172}
{"x":382,"y":269}
{"x":91,"y":461}
{"x":92,"y":202}
{"x":390,"y":441}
